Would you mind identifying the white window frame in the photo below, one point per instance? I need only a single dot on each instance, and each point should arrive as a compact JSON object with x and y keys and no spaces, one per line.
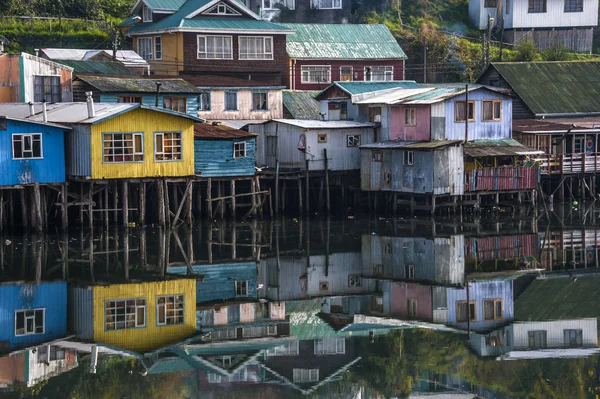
{"x":149,"y":44}
{"x":136,"y":306}
{"x":272,"y":4}
{"x":204,"y":105}
{"x":158,"y":47}
{"x":353,"y":140}
{"x":308,"y":69}
{"x":272,"y":330}
{"x":40,"y":84}
{"x":225,"y":101}
{"x":168,"y":156}
{"x":239,"y":148}
{"x":136,"y":152}
{"x":214,"y":378}
{"x":213,"y":56}
{"x":176,"y":313}
{"x":305,"y":375}
{"x":145,"y":12}
{"x":243,"y":287}
{"x":388,"y":71}
{"x":410,"y":116}
{"x":32,"y":137}
{"x":329,"y":346}
{"x":265,"y":55}
{"x":221,"y":9}
{"x":335,"y":4}
{"x":408,"y":158}
{"x":25,"y":318}
{"x":354,"y":281}
{"x":261,"y":93}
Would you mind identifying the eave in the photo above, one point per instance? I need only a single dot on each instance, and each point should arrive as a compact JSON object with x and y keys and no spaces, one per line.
{"x":208,"y":30}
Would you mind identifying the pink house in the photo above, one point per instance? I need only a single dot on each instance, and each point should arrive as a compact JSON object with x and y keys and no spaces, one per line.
{"x":412,"y":301}
{"x":410,"y":123}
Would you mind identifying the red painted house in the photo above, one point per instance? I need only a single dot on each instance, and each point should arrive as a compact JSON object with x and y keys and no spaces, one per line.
{"x":412,"y":301}
{"x":319,"y":54}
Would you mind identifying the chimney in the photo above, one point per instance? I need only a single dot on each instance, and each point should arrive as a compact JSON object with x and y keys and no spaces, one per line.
{"x":90,"y":104}
{"x":31,"y":109}
{"x":94,"y":359}
{"x":44,"y":113}
{"x":2,"y":43}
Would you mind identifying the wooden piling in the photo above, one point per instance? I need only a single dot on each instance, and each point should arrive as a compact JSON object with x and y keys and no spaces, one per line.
{"x":253,"y":192}
{"x":209,"y":198}
{"x":81,"y":204}
{"x":125,"y":203}
{"x":64,"y":208}
{"x":233,"y":204}
{"x":142,"y":204}
{"x":167,"y":202}
{"x":116,"y":202}
{"x":307,"y":198}
{"x":299,"y":196}
{"x":160,"y":188}
{"x":327,"y":199}
{"x":106,"y":218}
{"x":221,"y":201}
{"x":37,"y":207}
{"x":190,"y":200}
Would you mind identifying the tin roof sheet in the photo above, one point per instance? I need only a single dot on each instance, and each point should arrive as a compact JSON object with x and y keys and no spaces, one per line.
{"x":417,"y":145}
{"x":301,"y":104}
{"x":342,"y":41}
{"x":356,"y":88}
{"x":549,"y":126}
{"x":108,"y":84}
{"x":393,"y":96}
{"x":495,"y":148}
{"x":164,"y":4}
{"x":317,"y":124}
{"x":219,"y":132}
{"x":127,"y":57}
{"x":104,"y":68}
{"x":16,"y":119}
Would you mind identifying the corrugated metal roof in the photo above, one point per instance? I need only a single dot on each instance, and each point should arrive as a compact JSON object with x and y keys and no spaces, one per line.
{"x":105,"y":68}
{"x":301,"y":104}
{"x":231,"y":24}
{"x":393,"y":96}
{"x":356,"y":88}
{"x":495,"y":148}
{"x":548,"y":126}
{"x":16,"y":119}
{"x":219,"y":131}
{"x":239,"y":123}
{"x":317,"y":124}
{"x":342,"y":41}
{"x":416,"y":145}
{"x":127,"y":57}
{"x":443,"y":93}
{"x":109,"y":84}
{"x":563,"y":87}
{"x":164,"y":4}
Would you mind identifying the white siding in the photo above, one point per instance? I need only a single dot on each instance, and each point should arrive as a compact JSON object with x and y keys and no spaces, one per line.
{"x":41,"y":371}
{"x":341,"y":266}
{"x":217,"y":106}
{"x":554,"y":332}
{"x":38,"y":66}
{"x":555,"y":15}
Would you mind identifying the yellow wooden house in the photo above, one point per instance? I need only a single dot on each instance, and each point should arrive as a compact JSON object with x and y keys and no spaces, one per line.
{"x":138,"y":317}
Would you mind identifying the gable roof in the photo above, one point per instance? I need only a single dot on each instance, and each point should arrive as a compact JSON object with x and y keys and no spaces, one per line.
{"x":356,"y":88}
{"x":564,"y":87}
{"x":160,"y":5}
{"x":110,"y":84}
{"x":105,"y":68}
{"x":301,"y":104}
{"x":127,"y":57}
{"x":210,"y":131}
{"x":342,"y":41}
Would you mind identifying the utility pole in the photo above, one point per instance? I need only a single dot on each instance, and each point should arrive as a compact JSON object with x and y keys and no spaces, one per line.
{"x":424,"y":60}
{"x":115,"y":44}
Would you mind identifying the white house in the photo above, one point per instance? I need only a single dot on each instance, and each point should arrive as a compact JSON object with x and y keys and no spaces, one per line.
{"x":548,"y":23}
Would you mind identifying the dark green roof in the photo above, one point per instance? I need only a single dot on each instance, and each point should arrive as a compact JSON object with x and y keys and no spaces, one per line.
{"x":104,"y":68}
{"x":301,"y":104}
{"x":342,"y":41}
{"x":107,"y":84}
{"x":564,"y":87}
{"x":558,"y":298}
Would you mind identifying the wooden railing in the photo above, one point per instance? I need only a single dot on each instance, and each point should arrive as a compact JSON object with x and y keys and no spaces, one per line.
{"x":586,"y":162}
{"x":502,"y":179}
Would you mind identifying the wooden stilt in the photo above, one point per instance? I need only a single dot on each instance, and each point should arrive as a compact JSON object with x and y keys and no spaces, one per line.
{"x":283,"y":195}
{"x":11,"y":209}
{"x":190,"y":201}
{"x":106,"y":218}
{"x":321,"y":201}
{"x":64,"y":209}
{"x":253,"y":192}
{"x":327,"y":199}
{"x":175,"y":196}
{"x":143,"y":253}
{"x":126,"y":253}
{"x":125,"y":203}
{"x":37,"y":207}
{"x":307,"y":198}
{"x":299,"y":196}
{"x":162,"y":243}
{"x":343,"y":187}
{"x":142,"y":204}
{"x":394,"y":203}
{"x":91,"y":206}
{"x":233,"y":204}
{"x":258,"y":190}
{"x":81,"y":205}
{"x":222,"y":201}
{"x":167,"y":202}
{"x":160,"y":188}
{"x":209,"y":198}
{"x":116,"y":202}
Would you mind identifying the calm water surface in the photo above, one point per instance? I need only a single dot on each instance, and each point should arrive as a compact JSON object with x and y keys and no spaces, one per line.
{"x":503,"y":306}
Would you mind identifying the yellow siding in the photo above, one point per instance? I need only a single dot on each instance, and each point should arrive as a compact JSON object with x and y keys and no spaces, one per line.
{"x":172,"y":54}
{"x":148,"y":122}
{"x":152,"y":336}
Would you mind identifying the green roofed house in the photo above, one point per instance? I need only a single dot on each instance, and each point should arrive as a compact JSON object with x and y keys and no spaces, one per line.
{"x":300,"y":104}
{"x":323,"y":53}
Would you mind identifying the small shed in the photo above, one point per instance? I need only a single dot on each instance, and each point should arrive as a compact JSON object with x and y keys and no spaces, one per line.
{"x":429,"y":167}
{"x":221,"y":151}
{"x":32,"y":152}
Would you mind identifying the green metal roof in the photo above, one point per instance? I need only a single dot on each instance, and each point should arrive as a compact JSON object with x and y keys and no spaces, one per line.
{"x":355,"y":88}
{"x":108,"y":84}
{"x":301,"y":104}
{"x":231,"y":24}
{"x":104,"y":68}
{"x":165,"y":4}
{"x":563,"y":87}
{"x":342,"y":41}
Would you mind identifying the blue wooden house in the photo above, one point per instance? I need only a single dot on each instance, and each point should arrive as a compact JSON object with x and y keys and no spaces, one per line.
{"x":31,"y":314}
{"x":31,"y":152}
{"x":173,"y":93}
{"x":221,"y":151}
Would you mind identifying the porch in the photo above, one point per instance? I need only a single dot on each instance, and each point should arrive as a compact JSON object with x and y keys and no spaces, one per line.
{"x":568,"y":164}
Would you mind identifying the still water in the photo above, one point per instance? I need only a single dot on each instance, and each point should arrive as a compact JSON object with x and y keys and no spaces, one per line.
{"x":504,"y":306}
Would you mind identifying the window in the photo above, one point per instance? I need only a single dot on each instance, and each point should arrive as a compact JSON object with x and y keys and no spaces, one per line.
{"x":225,"y":334}
{"x":493,"y":309}
{"x":256,"y":48}
{"x":223,"y":361}
{"x":145,"y":47}
{"x":463,"y":312}
{"x":215,"y":47}
{"x":169,"y":310}
{"x":492,"y":110}
{"x":536,"y":6}
{"x":352,"y":140}
{"x":459,"y":111}
{"x":410,"y":272}
{"x":260,"y":101}
{"x":322,"y":138}
{"x":343,"y":111}
{"x":213,"y":378}
{"x":239,"y":149}
{"x":573,"y":5}
{"x":323,"y":286}
{"x":175,"y":104}
{"x":278,"y":4}
{"x":262,"y":311}
{"x":346,"y":74}
{"x":254,"y":331}
{"x":222,"y":9}
{"x":47,"y":88}
{"x":146,"y":14}
{"x":379,"y":73}
{"x":306,"y":375}
{"x":233,"y":314}
{"x":408,"y":158}
{"x":316,"y":74}
{"x":130,"y":99}
{"x":241,"y":288}
{"x":123,"y":147}
{"x":330,"y":346}
{"x":271,"y":330}
{"x":124,"y":314}
{"x":579,"y":145}
{"x":490,"y":4}
{"x":324,"y":4}
{"x":290,"y":348}
{"x":29,"y":321}
{"x":27,"y":146}
{"x":167,"y":146}
{"x":410,"y":117}
{"x":412,"y":307}
{"x":537,"y":339}
{"x":354,"y":280}
{"x":573,"y":338}
{"x":56,"y":353}
{"x":158,"y":48}
{"x":204,"y":101}
{"x":376,"y":156}
{"x":231,"y":101}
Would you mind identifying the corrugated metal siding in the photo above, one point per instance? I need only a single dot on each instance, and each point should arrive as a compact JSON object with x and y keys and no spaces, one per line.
{"x":340,"y":156}
{"x":503,"y":179}
{"x":79,"y":151}
{"x":456,"y":167}
{"x":336,"y":275}
{"x":215,"y":158}
{"x":245,"y":109}
{"x":81,"y":312}
{"x":148,"y":122}
{"x":50,"y":296}
{"x":49,"y":169}
{"x":33,"y":66}
{"x":399,"y":130}
{"x":402,"y":292}
{"x":191,"y":100}
{"x":555,"y":16}
{"x":555,"y":332}
{"x":502,"y":247}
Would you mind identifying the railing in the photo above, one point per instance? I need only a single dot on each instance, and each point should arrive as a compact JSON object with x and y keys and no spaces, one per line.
{"x":586,"y":162}
{"x":502,"y":179}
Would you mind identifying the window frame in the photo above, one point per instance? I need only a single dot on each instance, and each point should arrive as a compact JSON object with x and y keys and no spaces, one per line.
{"x":473,"y":314}
{"x":486,"y":3}
{"x":25,"y":333}
{"x":306,"y":68}
{"x":351,"y":74}
{"x":410,"y":116}
{"x":578,"y":336}
{"x":166,"y":310}
{"x":409,"y":312}
{"x":266,"y":102}
{"x":121,"y":99}
{"x":133,"y":154}
{"x":494,"y":315}
{"x":150,"y":55}
{"x":356,"y":137}
{"x":145,"y":10}
{"x":225,"y":101}
{"x":237,"y":150}
{"x":531,"y":7}
{"x":157,"y":44}
{"x":163,"y":153}
{"x":460,"y":103}
{"x":376,"y":156}
{"x":298,"y":374}
{"x":317,"y":4}
{"x":136,"y":306}
{"x":243,"y":285}
{"x":493,"y":102}
{"x":178,"y":98}
{"x":55,"y":83}
{"x":205,"y":38}
{"x":532,"y":334}
{"x":354,"y":281}
{"x":31,"y":135}
{"x":368,"y":71}
{"x":408,"y":158}
{"x":578,"y":6}
{"x":266,"y":55}
{"x":321,"y":138}
{"x":201,"y":104}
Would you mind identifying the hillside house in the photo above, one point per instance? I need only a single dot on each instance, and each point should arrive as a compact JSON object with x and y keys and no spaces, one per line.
{"x":319,"y":54}
{"x":303,"y":11}
{"x":127,"y":58}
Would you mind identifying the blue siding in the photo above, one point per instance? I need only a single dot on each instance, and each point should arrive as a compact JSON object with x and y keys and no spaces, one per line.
{"x":50,"y":296}
{"x":219,"y":280}
{"x":81,"y":312}
{"x":191,"y":103}
{"x":49,"y":169}
{"x":214,"y":158}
